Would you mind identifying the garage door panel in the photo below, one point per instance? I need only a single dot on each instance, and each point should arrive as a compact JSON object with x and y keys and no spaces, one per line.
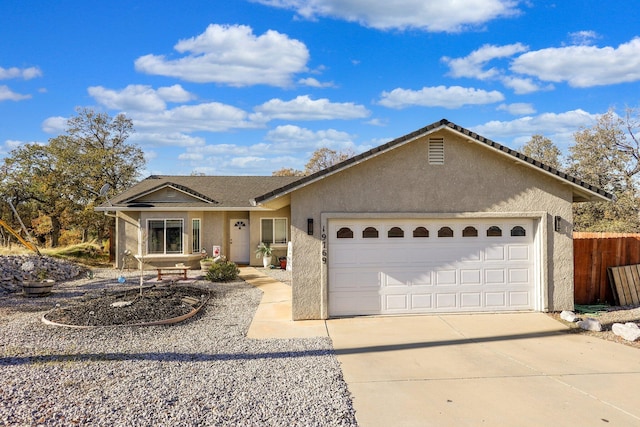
{"x":494,"y":253}
{"x":396,"y":302}
{"x":471,"y":300}
{"x":446,"y":300}
{"x":430,"y":274}
{"x":494,"y":276}
{"x":422,"y":301}
{"x":519,"y":299}
{"x":519,"y":275}
{"x":518,"y":253}
{"x":495,"y":300}
{"x":471,"y":277}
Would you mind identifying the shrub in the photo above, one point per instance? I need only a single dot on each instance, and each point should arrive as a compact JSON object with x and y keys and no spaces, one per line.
{"x":223,"y":271}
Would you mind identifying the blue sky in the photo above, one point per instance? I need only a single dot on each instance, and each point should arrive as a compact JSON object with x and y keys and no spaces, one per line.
{"x":248,"y":87}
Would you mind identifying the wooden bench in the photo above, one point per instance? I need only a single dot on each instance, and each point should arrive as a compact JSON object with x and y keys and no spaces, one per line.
{"x":182,"y":271}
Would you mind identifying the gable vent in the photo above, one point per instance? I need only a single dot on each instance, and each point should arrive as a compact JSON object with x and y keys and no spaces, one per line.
{"x":436,"y":151}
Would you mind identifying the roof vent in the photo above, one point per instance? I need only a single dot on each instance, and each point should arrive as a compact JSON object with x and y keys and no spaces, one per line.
{"x":436,"y":151}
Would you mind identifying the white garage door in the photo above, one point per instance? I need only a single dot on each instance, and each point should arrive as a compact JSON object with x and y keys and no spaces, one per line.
{"x":411,"y":266}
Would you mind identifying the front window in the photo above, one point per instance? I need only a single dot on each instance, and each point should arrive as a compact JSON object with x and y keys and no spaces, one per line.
{"x":274,"y":231}
{"x":195,"y":236}
{"x":165,"y":236}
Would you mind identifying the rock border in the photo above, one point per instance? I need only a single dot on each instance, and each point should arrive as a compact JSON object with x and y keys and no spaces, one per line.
{"x":170,"y":321}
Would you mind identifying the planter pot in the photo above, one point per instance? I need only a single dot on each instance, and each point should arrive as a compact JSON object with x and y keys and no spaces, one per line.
{"x":205,"y":265}
{"x":37,"y":289}
{"x":266,"y":261}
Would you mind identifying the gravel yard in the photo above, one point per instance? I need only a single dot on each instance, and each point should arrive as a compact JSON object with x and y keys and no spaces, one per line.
{"x":202,"y":372}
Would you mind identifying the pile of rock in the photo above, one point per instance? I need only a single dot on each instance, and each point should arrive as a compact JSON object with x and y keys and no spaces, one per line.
{"x":12,"y":272}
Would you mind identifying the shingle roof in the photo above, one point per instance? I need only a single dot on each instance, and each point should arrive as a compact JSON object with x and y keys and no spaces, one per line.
{"x":582,"y":190}
{"x":208,"y":191}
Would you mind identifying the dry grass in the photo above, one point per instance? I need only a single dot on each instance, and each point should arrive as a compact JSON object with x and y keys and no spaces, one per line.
{"x":82,"y":253}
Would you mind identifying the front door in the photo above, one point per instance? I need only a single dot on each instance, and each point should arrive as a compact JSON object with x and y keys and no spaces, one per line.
{"x":239,"y":241}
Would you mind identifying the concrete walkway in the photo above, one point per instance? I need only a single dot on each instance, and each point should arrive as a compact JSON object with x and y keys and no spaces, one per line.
{"x":468,"y":370}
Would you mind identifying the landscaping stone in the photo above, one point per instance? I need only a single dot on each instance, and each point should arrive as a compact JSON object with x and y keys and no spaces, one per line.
{"x":629,"y":331}
{"x":590,"y":324}
{"x":569,"y":316}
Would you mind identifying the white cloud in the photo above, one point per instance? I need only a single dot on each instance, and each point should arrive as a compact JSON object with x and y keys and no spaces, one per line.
{"x":7,"y":94}
{"x":168,"y":139}
{"x":305,"y":108}
{"x":55,"y":124}
{"x":192,"y":157}
{"x":139,"y":97}
{"x":583,"y":66}
{"x":310,"y":81}
{"x":439,"y":96}
{"x":472,"y":65}
{"x":583,"y":37}
{"x":232,"y":55}
{"x":212,"y":117}
{"x":559,"y":127}
{"x":20,"y":73}
{"x":517,"y":108}
{"x":433,"y":16}
{"x":289,"y":137}
{"x":522,"y":85}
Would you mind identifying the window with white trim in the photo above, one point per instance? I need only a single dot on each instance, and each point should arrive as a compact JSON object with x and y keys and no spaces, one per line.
{"x":274,"y":231}
{"x":164,"y":236}
{"x":196,"y":246}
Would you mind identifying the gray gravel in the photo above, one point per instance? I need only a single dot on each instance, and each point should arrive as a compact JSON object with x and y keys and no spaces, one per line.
{"x":203,"y":372}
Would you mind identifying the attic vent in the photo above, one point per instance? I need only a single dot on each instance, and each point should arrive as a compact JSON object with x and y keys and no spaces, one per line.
{"x":436,"y":151}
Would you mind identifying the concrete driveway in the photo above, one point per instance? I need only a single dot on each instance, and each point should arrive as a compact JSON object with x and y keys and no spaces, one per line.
{"x":466,"y":370}
{"x":484,"y":369}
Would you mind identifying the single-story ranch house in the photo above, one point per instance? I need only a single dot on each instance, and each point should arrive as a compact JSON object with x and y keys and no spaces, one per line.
{"x":440,"y":220}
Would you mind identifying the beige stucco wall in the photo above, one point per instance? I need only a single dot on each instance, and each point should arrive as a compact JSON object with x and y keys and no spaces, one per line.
{"x":473,"y":180}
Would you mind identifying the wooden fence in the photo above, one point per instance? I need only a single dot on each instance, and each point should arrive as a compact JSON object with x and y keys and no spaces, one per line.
{"x":593,"y":253}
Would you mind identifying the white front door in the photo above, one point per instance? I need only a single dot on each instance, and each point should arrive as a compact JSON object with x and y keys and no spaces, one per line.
{"x":239,"y":241}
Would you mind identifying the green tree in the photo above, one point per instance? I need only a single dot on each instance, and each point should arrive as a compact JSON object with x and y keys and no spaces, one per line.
{"x":608,"y":155}
{"x":544,"y":150}
{"x":61,"y":180}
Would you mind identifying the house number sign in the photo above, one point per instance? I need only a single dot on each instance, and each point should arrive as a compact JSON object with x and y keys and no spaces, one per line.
{"x":324,"y":245}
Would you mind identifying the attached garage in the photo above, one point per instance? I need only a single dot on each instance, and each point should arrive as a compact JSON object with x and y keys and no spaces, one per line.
{"x":399,"y":266}
{"x":440,"y":220}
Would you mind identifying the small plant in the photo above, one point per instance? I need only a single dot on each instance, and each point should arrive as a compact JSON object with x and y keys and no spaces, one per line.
{"x":263,"y":250}
{"x":222,"y":271}
{"x":32,"y":273}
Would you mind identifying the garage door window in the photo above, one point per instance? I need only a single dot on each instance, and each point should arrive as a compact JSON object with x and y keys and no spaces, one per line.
{"x":494,"y":231}
{"x":470,"y":232}
{"x":445,"y":232}
{"x":370,"y":233}
{"x":518,"y":231}
{"x":345,"y":233}
{"x":395,"y":232}
{"x":420,"y":232}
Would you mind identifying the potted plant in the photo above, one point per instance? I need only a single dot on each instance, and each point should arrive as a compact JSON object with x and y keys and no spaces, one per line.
{"x":35,"y":281}
{"x":264,"y":252}
{"x":206,"y":263}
